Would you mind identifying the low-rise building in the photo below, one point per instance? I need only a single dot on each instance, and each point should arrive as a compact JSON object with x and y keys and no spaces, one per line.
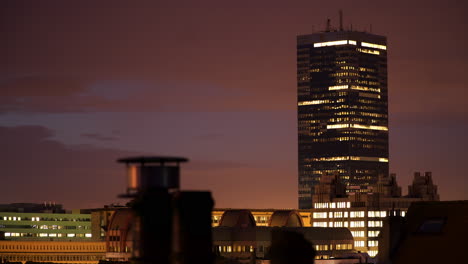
{"x":363,"y":213}
{"x":86,"y":252}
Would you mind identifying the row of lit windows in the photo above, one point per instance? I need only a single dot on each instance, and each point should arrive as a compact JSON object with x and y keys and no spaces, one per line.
{"x":352,"y":214}
{"x":357,"y":233}
{"x":337,"y":247}
{"x":348,"y":224}
{"x":334,"y":43}
{"x":359,"y":243}
{"x":374,"y":224}
{"x":342,"y":74}
{"x":36,"y":218}
{"x":310,"y":115}
{"x":343,"y":139}
{"x":237,"y":248}
{"x":368,"y":51}
{"x":369,"y":95}
{"x":359,"y":126}
{"x":16,"y":247}
{"x":10,"y":234}
{"x":314,"y":102}
{"x":353,"y":87}
{"x":50,"y":258}
{"x":349,"y":42}
{"x":333,"y":205}
{"x":342,"y":158}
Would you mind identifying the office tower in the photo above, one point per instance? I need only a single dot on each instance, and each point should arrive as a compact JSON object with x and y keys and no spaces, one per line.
{"x":342,"y":109}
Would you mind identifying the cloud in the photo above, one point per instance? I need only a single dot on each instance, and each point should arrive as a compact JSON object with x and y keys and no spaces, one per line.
{"x":99,"y":137}
{"x":58,"y":94}
{"x":38,"y":168}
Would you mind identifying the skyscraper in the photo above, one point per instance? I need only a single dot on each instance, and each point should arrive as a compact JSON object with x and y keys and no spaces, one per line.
{"x":342,"y":109}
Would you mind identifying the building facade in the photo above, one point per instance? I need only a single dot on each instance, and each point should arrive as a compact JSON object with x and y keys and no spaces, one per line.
{"x":85,"y":252}
{"x":45,"y":226}
{"x":342,"y":109}
{"x":262,"y":217}
{"x":364,"y":213}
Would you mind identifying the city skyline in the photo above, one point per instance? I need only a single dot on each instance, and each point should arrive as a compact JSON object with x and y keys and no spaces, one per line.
{"x":210,"y":86}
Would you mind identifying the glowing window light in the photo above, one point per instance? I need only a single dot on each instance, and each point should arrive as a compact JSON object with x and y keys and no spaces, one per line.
{"x":314,"y":102}
{"x":364,"y":88}
{"x":356,"y":158}
{"x":368,"y":51}
{"x":372,"y":45}
{"x":337,"y":126}
{"x":369,"y":95}
{"x":338,"y":87}
{"x":383,"y":128}
{"x":334,"y":43}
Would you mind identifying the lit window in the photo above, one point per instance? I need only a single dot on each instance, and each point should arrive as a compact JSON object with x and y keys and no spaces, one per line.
{"x":374,"y":224}
{"x":319,"y":224}
{"x":338,"y":224}
{"x":320,"y":215}
{"x":372,"y":243}
{"x":358,"y":243}
{"x":372,"y":45}
{"x":88,"y":235}
{"x":355,"y":214}
{"x":334,"y":43}
{"x":356,"y":224}
{"x":338,"y":87}
{"x":357,"y":233}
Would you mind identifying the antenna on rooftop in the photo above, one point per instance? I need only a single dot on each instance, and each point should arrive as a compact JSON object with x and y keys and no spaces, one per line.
{"x":341,"y":20}
{"x":328,"y":28}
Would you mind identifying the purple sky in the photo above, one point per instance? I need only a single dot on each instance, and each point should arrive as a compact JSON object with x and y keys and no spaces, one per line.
{"x":85,"y":82}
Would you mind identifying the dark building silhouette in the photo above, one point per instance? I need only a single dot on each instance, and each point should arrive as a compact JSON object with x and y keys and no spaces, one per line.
{"x":342,"y":109}
{"x":432,"y":232}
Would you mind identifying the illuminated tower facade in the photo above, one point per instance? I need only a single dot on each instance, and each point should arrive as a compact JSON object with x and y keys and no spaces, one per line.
{"x":342,"y":107}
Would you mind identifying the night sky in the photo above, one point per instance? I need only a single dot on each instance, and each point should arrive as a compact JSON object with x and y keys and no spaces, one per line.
{"x":86,"y":82}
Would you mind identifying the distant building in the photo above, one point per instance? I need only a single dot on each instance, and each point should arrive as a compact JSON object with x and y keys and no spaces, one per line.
{"x":85,"y":252}
{"x":342,"y":106}
{"x":45,"y":226}
{"x":262,"y":217}
{"x":238,"y":237}
{"x":432,"y":232}
{"x":45,"y":233}
{"x":363,"y":213}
